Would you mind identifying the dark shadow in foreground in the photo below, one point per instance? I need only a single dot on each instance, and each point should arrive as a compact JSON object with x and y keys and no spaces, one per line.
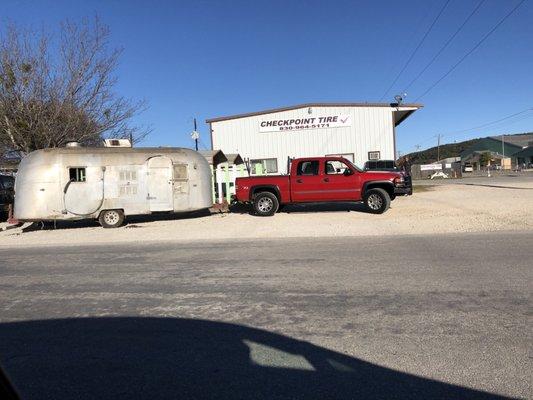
{"x":167,"y":358}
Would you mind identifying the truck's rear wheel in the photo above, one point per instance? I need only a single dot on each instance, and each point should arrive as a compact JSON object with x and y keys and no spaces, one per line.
{"x":265,"y":204}
{"x":111,"y":218}
{"x":377,"y":200}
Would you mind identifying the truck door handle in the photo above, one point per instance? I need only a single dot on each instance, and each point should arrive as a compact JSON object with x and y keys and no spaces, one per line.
{"x":299,"y":181}
{"x":326,"y":179}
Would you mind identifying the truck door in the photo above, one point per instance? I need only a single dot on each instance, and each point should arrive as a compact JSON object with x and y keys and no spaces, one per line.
{"x":306,"y":184}
{"x":160,"y":184}
{"x":340,"y":182}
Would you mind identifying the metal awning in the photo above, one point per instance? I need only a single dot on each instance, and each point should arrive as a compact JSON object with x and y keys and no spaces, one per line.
{"x":234,"y":159}
{"x":400,"y":113}
{"x":214,"y":157}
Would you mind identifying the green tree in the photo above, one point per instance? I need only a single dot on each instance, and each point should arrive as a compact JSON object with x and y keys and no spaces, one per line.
{"x":485,"y":158}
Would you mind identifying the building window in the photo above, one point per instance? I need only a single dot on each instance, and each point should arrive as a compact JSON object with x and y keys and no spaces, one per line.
{"x":374,"y":155}
{"x":307,"y":168}
{"x":77,"y":174}
{"x":264,"y":166}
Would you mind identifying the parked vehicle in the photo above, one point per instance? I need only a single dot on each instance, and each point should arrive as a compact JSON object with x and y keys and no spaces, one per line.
{"x":468,"y":168}
{"x":7,"y":184}
{"x":110,"y":183}
{"x":381,"y":165}
{"x":322,"y":179}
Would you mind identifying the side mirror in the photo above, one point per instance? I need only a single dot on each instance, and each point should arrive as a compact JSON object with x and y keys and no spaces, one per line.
{"x":347,"y":172}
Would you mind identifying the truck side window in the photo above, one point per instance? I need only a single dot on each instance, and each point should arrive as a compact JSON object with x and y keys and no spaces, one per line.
{"x":334,"y":167}
{"x":77,"y":174}
{"x":307,"y":168}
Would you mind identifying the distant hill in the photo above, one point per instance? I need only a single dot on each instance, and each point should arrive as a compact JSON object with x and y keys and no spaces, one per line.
{"x":429,"y":156}
{"x":455,"y":149}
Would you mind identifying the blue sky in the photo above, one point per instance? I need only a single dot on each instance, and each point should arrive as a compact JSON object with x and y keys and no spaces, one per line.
{"x":212,"y":58}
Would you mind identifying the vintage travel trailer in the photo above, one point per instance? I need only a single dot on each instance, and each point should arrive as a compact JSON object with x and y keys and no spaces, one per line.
{"x":109,"y":183}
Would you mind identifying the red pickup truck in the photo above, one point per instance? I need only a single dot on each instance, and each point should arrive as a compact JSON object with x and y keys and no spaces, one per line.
{"x":322,"y":179}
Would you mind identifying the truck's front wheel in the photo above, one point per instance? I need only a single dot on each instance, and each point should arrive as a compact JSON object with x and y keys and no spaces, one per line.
{"x":265,"y":204}
{"x":377,"y":200}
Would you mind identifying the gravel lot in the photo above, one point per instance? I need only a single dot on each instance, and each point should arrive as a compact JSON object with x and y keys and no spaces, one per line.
{"x":461,"y":206}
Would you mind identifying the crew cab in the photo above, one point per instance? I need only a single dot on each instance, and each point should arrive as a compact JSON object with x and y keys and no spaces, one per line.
{"x":322,"y":179}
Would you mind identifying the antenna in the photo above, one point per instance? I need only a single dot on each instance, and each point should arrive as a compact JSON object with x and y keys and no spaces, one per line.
{"x":195,"y":135}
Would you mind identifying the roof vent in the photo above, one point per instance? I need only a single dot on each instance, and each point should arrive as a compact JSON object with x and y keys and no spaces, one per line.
{"x":73,"y":144}
{"x":117,"y":143}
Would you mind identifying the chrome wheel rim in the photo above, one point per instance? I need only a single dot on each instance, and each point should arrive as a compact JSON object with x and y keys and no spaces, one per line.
{"x":374,"y":201}
{"x":265,"y":204}
{"x":111,"y":217}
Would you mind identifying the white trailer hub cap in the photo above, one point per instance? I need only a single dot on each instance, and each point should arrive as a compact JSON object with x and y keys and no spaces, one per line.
{"x":111,"y":217}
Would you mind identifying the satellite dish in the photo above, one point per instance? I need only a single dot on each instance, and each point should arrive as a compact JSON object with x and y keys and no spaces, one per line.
{"x":195,"y":135}
{"x":400,"y":98}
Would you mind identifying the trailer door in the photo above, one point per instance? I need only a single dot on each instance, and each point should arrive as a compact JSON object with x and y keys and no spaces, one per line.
{"x":181,"y":187}
{"x":160,"y":184}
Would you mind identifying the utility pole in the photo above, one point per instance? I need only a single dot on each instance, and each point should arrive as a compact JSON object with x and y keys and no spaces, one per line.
{"x":195,"y":135}
{"x":503,"y":152}
{"x":438,"y":147}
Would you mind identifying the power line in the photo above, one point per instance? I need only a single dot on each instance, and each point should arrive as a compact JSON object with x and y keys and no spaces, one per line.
{"x":445,"y":45}
{"x":498,"y":121}
{"x":416,"y":49}
{"x":471,"y":50}
{"x":491,"y":123}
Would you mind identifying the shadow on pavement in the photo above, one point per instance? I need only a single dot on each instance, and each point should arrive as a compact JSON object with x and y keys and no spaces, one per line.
{"x":168,"y":358}
{"x":306,"y":208}
{"x":130,"y":221}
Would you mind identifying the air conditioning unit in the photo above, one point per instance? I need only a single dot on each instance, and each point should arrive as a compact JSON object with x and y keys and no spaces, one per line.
{"x":117,"y":143}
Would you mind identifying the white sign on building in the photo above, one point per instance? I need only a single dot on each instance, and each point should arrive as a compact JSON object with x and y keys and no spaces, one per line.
{"x":430,"y":167}
{"x":311,"y":122}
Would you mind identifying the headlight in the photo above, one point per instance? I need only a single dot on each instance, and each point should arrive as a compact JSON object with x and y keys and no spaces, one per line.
{"x":399,"y":181}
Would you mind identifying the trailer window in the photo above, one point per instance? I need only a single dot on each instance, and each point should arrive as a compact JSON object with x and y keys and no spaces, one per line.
{"x":77,"y":174}
{"x":180,"y":172}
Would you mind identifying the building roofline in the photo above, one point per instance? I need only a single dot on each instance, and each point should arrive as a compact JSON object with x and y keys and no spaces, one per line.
{"x":305,"y":105}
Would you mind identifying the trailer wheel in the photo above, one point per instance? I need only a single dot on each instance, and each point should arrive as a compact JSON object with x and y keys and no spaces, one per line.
{"x":111,"y":218}
{"x":377,"y":200}
{"x":266,"y":204}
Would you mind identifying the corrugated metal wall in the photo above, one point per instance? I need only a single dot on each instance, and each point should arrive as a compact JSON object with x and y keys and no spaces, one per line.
{"x":371,"y":130}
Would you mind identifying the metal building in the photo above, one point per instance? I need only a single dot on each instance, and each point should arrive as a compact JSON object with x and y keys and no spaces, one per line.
{"x":356,"y":131}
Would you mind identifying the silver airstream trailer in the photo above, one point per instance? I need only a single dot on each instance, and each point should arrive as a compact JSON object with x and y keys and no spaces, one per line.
{"x":109,"y":183}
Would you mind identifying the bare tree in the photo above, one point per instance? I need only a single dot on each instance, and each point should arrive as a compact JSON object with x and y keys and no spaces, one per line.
{"x":52,"y":92}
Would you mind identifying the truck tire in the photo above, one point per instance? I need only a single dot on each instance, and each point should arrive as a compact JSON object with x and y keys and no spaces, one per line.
{"x":111,"y":218}
{"x":377,"y":200}
{"x":265,"y":204}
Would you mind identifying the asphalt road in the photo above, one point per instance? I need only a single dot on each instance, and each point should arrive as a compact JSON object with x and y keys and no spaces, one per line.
{"x":443,"y":316}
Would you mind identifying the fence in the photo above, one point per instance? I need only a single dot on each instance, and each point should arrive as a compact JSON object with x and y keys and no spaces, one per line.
{"x":426,"y":171}
{"x":224,"y":177}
